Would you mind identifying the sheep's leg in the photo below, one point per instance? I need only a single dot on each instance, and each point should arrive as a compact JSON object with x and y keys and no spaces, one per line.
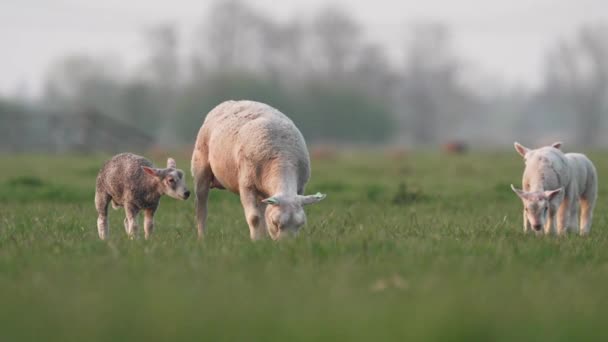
{"x":573,"y":218}
{"x":101,"y":204}
{"x":563,"y":216}
{"x":587,"y":205}
{"x":202,"y":196}
{"x":587,"y":201}
{"x":527,"y":225}
{"x":131,"y":221}
{"x":586,"y":216}
{"x":202,"y":183}
{"x":550,"y":224}
{"x":254,"y":213}
{"x":148,"y":222}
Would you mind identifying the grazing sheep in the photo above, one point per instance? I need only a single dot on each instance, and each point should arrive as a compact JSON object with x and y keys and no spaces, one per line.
{"x":130,"y":181}
{"x":555,"y":187}
{"x":253,"y":150}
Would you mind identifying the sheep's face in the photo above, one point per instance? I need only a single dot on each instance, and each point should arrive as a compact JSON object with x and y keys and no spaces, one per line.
{"x":172,"y":181}
{"x":174,"y":184}
{"x":284,"y":219}
{"x":537,"y":206}
{"x":285,"y":215}
{"x":537,"y":212}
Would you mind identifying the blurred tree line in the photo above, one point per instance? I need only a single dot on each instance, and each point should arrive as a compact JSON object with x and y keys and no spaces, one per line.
{"x":334,"y":83}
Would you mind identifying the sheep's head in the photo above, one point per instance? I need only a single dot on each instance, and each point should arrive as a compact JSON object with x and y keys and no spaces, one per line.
{"x":537,"y":205}
{"x":172,"y":181}
{"x":524,"y":151}
{"x":285,"y":215}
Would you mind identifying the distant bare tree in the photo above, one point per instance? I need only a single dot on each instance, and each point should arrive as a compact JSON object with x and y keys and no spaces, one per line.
{"x":231,"y":36}
{"x":337,"y":40}
{"x":163,"y":65}
{"x":577,"y":75}
{"x":284,"y":50}
{"x":374,"y":73}
{"x":151,"y":100}
{"x":66,"y":78}
{"x":433,"y":96}
{"x":82,"y":81}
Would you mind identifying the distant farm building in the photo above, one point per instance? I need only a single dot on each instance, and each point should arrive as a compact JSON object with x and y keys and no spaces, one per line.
{"x":84,"y":131}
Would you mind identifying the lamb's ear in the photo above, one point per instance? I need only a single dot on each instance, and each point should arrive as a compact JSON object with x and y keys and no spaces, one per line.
{"x":151,"y":171}
{"x":519,"y":192}
{"x":271,"y":200}
{"x":521,"y":149}
{"x":171,"y":163}
{"x":557,"y":145}
{"x":552,"y":193}
{"x":311,"y":199}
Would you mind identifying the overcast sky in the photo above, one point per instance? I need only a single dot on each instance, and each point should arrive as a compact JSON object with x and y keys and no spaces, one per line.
{"x":506,"y":38}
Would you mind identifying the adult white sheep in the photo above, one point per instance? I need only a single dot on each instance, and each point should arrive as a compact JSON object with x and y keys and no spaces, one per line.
{"x":253,"y":150}
{"x":555,"y":187}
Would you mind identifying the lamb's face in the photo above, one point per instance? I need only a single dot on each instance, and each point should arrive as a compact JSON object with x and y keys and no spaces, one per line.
{"x":174,"y":184}
{"x":537,"y":212}
{"x":537,"y":205}
{"x":284,"y":219}
{"x":171,"y":180}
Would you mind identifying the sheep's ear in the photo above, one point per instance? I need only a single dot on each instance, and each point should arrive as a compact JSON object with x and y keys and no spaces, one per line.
{"x":519,"y":192}
{"x":557,"y":145}
{"x":521,"y":149}
{"x":151,"y":171}
{"x":311,"y":199}
{"x":271,"y":201}
{"x":553,"y":193}
{"x":171,"y":163}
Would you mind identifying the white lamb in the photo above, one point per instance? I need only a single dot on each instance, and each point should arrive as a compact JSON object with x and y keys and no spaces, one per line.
{"x":255,"y":151}
{"x":555,"y":187}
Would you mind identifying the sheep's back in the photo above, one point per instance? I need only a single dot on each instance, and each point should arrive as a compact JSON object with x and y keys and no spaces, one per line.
{"x":122,"y":174}
{"x":583,"y":170}
{"x":546,"y":169}
{"x":238,"y":132}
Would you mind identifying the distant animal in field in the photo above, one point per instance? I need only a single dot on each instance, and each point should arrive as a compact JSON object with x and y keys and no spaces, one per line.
{"x":559,"y":190}
{"x":253,"y":150}
{"x":130,"y":181}
{"x":323,"y":152}
{"x":455,"y":147}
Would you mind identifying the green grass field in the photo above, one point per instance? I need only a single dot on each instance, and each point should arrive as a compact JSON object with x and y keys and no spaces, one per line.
{"x":429,"y":247}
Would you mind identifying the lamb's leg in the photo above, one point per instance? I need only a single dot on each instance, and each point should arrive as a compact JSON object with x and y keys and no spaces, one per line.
{"x":254,"y":213}
{"x":148,"y":222}
{"x":550,"y":224}
{"x":563,"y":216}
{"x":101,"y":204}
{"x":131,"y":221}
{"x":586,"y":216}
{"x":587,"y":203}
{"x":527,"y":225}
{"x":573,"y":219}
